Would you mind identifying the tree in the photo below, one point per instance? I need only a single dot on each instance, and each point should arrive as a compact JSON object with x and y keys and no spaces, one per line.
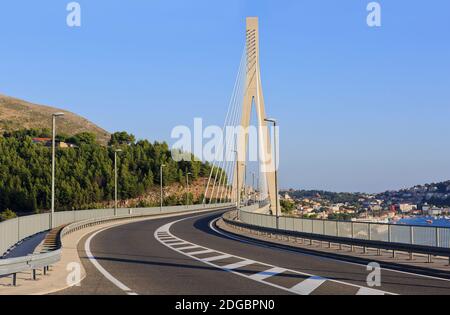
{"x":287,"y":206}
{"x":83,"y":138}
{"x":121,"y":138}
{"x":7,"y":215}
{"x":85,"y":174}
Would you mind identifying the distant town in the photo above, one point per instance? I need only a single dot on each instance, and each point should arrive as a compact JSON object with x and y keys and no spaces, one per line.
{"x":390,"y":206}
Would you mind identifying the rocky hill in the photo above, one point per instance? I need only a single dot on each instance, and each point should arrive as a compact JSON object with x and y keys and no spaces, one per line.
{"x":18,"y":114}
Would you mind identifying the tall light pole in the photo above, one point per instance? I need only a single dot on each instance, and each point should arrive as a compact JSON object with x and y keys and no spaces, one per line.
{"x":238,"y":193}
{"x":187,"y":187}
{"x":274,"y":122}
{"x":254,"y":189}
{"x":161,"y":183}
{"x":54,"y":116}
{"x":115,"y":180}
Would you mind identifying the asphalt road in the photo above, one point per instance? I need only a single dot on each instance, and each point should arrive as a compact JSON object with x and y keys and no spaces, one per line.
{"x":185,"y":256}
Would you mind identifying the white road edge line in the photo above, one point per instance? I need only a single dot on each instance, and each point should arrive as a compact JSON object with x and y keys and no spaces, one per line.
{"x":106,"y":274}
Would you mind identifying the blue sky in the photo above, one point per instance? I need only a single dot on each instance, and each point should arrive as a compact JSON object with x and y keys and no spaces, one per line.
{"x":360,"y":109}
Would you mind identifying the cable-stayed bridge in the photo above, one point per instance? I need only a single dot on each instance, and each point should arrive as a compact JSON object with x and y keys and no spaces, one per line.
{"x":227,"y":180}
{"x":234,"y":243}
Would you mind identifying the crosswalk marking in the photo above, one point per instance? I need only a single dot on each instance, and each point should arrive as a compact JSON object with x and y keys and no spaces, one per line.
{"x":369,"y":291}
{"x":210,"y":259}
{"x":188,"y":247}
{"x":237,"y":265}
{"x":176,"y":243}
{"x":307,"y":286}
{"x":205,"y":251}
{"x":267,"y":274}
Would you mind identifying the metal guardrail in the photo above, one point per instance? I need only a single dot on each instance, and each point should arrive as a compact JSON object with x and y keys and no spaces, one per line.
{"x":409,"y":238}
{"x":87,"y":218}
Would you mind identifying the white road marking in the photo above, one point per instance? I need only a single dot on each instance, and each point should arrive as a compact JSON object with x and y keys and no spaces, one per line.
{"x":238,"y":265}
{"x":176,"y":243}
{"x":215,"y":258}
{"x":205,"y":251}
{"x":369,"y":291}
{"x":315,"y":281}
{"x":308,"y":286}
{"x":267,"y":274}
{"x":106,"y":274}
{"x":275,"y":247}
{"x":188,"y":247}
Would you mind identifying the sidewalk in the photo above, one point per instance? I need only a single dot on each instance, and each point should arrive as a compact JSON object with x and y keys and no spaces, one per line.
{"x":26,"y":247}
{"x":438,"y":267}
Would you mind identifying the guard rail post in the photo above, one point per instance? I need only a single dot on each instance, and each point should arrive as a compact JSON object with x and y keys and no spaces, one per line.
{"x":352,"y":247}
{"x":411,"y":233}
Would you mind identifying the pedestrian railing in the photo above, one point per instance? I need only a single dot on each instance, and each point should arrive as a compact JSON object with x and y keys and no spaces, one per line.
{"x":385,"y":232}
{"x":429,"y":240}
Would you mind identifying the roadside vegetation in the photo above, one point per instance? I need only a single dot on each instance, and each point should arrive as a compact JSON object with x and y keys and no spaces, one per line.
{"x":85,"y":171}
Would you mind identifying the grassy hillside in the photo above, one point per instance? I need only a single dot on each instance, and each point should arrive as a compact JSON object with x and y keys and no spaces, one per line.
{"x":17,"y":114}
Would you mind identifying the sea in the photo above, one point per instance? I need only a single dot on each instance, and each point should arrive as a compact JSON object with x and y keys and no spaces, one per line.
{"x":426,"y":221}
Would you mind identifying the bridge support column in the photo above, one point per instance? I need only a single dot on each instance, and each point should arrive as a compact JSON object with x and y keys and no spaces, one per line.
{"x":254,"y":95}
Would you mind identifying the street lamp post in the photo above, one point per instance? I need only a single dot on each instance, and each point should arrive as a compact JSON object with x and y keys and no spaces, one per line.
{"x":115,"y":180}
{"x":254,"y":189}
{"x":54,"y":116}
{"x":187,"y":187}
{"x":161,"y":184}
{"x":238,"y":194}
{"x":274,"y":122}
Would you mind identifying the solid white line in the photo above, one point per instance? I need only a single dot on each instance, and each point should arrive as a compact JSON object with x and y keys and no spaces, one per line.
{"x":238,"y":264}
{"x":307,"y":286}
{"x":268,"y":273}
{"x":106,"y":274}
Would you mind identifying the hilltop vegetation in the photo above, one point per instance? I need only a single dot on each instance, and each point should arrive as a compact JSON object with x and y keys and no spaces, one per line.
{"x":18,"y":114}
{"x":85,"y":174}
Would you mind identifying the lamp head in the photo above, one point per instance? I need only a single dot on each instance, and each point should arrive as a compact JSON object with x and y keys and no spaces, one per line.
{"x":271,"y":120}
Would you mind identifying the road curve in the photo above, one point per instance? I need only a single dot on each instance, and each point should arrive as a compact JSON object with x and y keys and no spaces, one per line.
{"x":185,"y":256}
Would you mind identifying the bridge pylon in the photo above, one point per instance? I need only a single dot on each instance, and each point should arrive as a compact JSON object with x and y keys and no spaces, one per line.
{"x":253,"y":94}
